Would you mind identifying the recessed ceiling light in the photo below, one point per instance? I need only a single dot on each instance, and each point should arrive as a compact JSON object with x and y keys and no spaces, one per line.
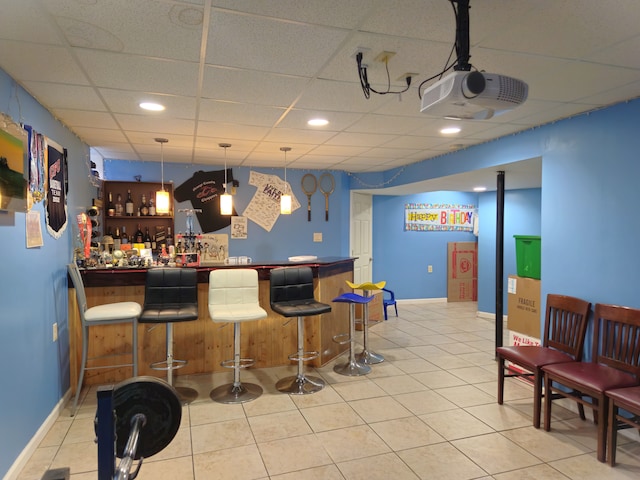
{"x":479,"y":189}
{"x":318,"y":122}
{"x":154,"y":107}
{"x":450,"y":130}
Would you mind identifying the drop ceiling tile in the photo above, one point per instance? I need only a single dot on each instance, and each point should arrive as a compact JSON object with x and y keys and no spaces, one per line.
{"x":213,"y":143}
{"x":385,"y":124}
{"x":168,"y":30}
{"x":97,"y":137}
{"x":328,"y":12}
{"x":127,"y":101}
{"x":249,"y":86}
{"x":359,"y":139}
{"x":229,"y":132}
{"x":297,"y":149}
{"x":79,"y":118}
{"x":130,"y":72}
{"x":270,"y":45}
{"x":339,"y":150}
{"x":148,"y":140}
{"x":580,"y":80}
{"x":241,"y":113}
{"x":298,"y":118}
{"x":338,"y":96}
{"x":286,"y":136}
{"x":58,"y":95}
{"x":49,"y":63}
{"x":159,"y":126}
{"x":15,"y":15}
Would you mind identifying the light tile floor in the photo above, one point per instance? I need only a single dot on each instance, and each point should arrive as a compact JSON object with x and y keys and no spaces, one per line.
{"x":427,"y":412}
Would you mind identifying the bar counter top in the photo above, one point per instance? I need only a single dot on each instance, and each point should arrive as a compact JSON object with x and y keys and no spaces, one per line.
{"x":201,"y":342}
{"x":127,"y":276}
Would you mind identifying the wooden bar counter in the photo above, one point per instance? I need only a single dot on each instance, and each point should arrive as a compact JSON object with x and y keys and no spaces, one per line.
{"x":202,"y":343}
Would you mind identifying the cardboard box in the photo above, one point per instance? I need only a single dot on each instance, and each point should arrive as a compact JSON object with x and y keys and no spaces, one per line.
{"x":523,"y":305}
{"x":462,"y":272}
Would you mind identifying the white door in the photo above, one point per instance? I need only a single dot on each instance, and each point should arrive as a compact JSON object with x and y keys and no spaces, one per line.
{"x":361,"y":237}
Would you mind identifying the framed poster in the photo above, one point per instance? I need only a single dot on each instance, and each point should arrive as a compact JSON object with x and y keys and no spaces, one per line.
{"x":215,"y":248}
{"x":13,"y":165}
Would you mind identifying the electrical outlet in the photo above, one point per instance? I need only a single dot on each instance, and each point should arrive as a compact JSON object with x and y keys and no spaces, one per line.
{"x":363,"y":50}
{"x":406,"y":75}
{"x":317,"y":236}
{"x":384,"y":56}
{"x":430,"y":268}
{"x":55,"y":332}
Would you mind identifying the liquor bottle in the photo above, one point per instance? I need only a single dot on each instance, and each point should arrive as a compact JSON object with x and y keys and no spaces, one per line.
{"x":124,"y":238}
{"x":144,"y":208}
{"x":154,"y":244}
{"x":147,"y":238}
{"x":111,"y":209}
{"x":128,"y":206}
{"x":152,"y":205}
{"x":138,"y":236}
{"x":119,"y":207}
{"x":169,"y":237}
{"x":116,"y":239}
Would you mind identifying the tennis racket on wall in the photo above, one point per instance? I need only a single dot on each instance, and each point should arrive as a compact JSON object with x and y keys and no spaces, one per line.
{"x":309,"y":187}
{"x":327,"y":186}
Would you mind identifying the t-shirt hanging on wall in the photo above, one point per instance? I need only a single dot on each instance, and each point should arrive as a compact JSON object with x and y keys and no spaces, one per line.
{"x":56,"y":189}
{"x":203,"y":189}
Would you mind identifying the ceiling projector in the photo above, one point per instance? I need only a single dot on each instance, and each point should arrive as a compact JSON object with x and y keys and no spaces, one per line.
{"x":464,"y":95}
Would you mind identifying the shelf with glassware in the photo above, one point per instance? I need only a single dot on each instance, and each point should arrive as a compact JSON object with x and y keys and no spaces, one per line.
{"x":131,"y":215}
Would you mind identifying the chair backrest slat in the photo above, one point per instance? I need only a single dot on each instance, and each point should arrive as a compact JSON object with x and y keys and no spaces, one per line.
{"x":616,"y":338}
{"x":565,"y":327}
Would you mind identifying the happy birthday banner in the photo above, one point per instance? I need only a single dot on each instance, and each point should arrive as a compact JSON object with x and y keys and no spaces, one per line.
{"x":428,"y":217}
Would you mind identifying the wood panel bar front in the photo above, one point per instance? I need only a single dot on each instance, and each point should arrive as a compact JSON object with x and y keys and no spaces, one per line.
{"x":203,"y":343}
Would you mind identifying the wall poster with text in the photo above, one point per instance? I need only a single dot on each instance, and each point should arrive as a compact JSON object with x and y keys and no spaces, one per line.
{"x":427,"y":217}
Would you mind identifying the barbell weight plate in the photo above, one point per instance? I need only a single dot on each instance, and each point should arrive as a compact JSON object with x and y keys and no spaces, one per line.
{"x":158,"y":402}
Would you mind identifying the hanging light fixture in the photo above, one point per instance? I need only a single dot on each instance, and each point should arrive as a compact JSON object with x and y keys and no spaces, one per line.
{"x":226,"y":202}
{"x":162,"y":196}
{"x":285,"y":198}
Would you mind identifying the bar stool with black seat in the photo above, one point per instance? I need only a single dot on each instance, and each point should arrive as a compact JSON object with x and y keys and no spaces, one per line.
{"x":367,"y":356}
{"x":234,"y":298}
{"x":171,"y":295}
{"x":292,"y":296}
{"x":107,"y":314}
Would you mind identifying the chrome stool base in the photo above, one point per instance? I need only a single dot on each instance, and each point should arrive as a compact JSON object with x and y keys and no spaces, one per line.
{"x":369,"y":358}
{"x":300,"y":385}
{"x":231,"y":393}
{"x":186,"y":394}
{"x":352,"y":369}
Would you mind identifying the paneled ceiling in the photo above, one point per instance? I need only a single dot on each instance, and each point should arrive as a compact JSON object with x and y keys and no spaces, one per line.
{"x":252,"y":72}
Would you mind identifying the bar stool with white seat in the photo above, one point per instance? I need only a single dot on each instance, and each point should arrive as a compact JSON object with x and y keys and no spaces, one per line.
{"x":107,"y":314}
{"x":234,"y":298}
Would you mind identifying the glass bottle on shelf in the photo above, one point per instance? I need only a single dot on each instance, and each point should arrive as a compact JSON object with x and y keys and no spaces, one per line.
{"x":169,"y":237}
{"x":128,"y":206}
{"x":154,"y":244}
{"x":152,"y":205}
{"x":147,"y":238}
{"x":119,"y":207}
{"x":111,"y":209}
{"x":116,"y":239}
{"x":144,"y":207}
{"x":138,"y":236}
{"x":124,"y":238}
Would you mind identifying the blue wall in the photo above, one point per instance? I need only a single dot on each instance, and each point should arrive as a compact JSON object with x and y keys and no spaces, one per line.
{"x":401,"y":258}
{"x":522,"y":216}
{"x":291,"y":234}
{"x":33,"y":293}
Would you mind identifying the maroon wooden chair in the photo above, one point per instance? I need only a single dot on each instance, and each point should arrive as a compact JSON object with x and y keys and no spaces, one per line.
{"x":565,"y":326}
{"x":627,"y":399}
{"x":614,"y":364}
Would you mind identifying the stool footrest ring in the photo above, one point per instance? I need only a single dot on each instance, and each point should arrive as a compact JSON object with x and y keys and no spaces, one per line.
{"x":305,"y":356}
{"x":175,"y":365}
{"x":342,"y":338}
{"x":244,"y":363}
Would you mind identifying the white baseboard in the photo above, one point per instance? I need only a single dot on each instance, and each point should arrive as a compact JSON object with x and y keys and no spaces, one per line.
{"x":421,"y":300}
{"x":31,"y":447}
